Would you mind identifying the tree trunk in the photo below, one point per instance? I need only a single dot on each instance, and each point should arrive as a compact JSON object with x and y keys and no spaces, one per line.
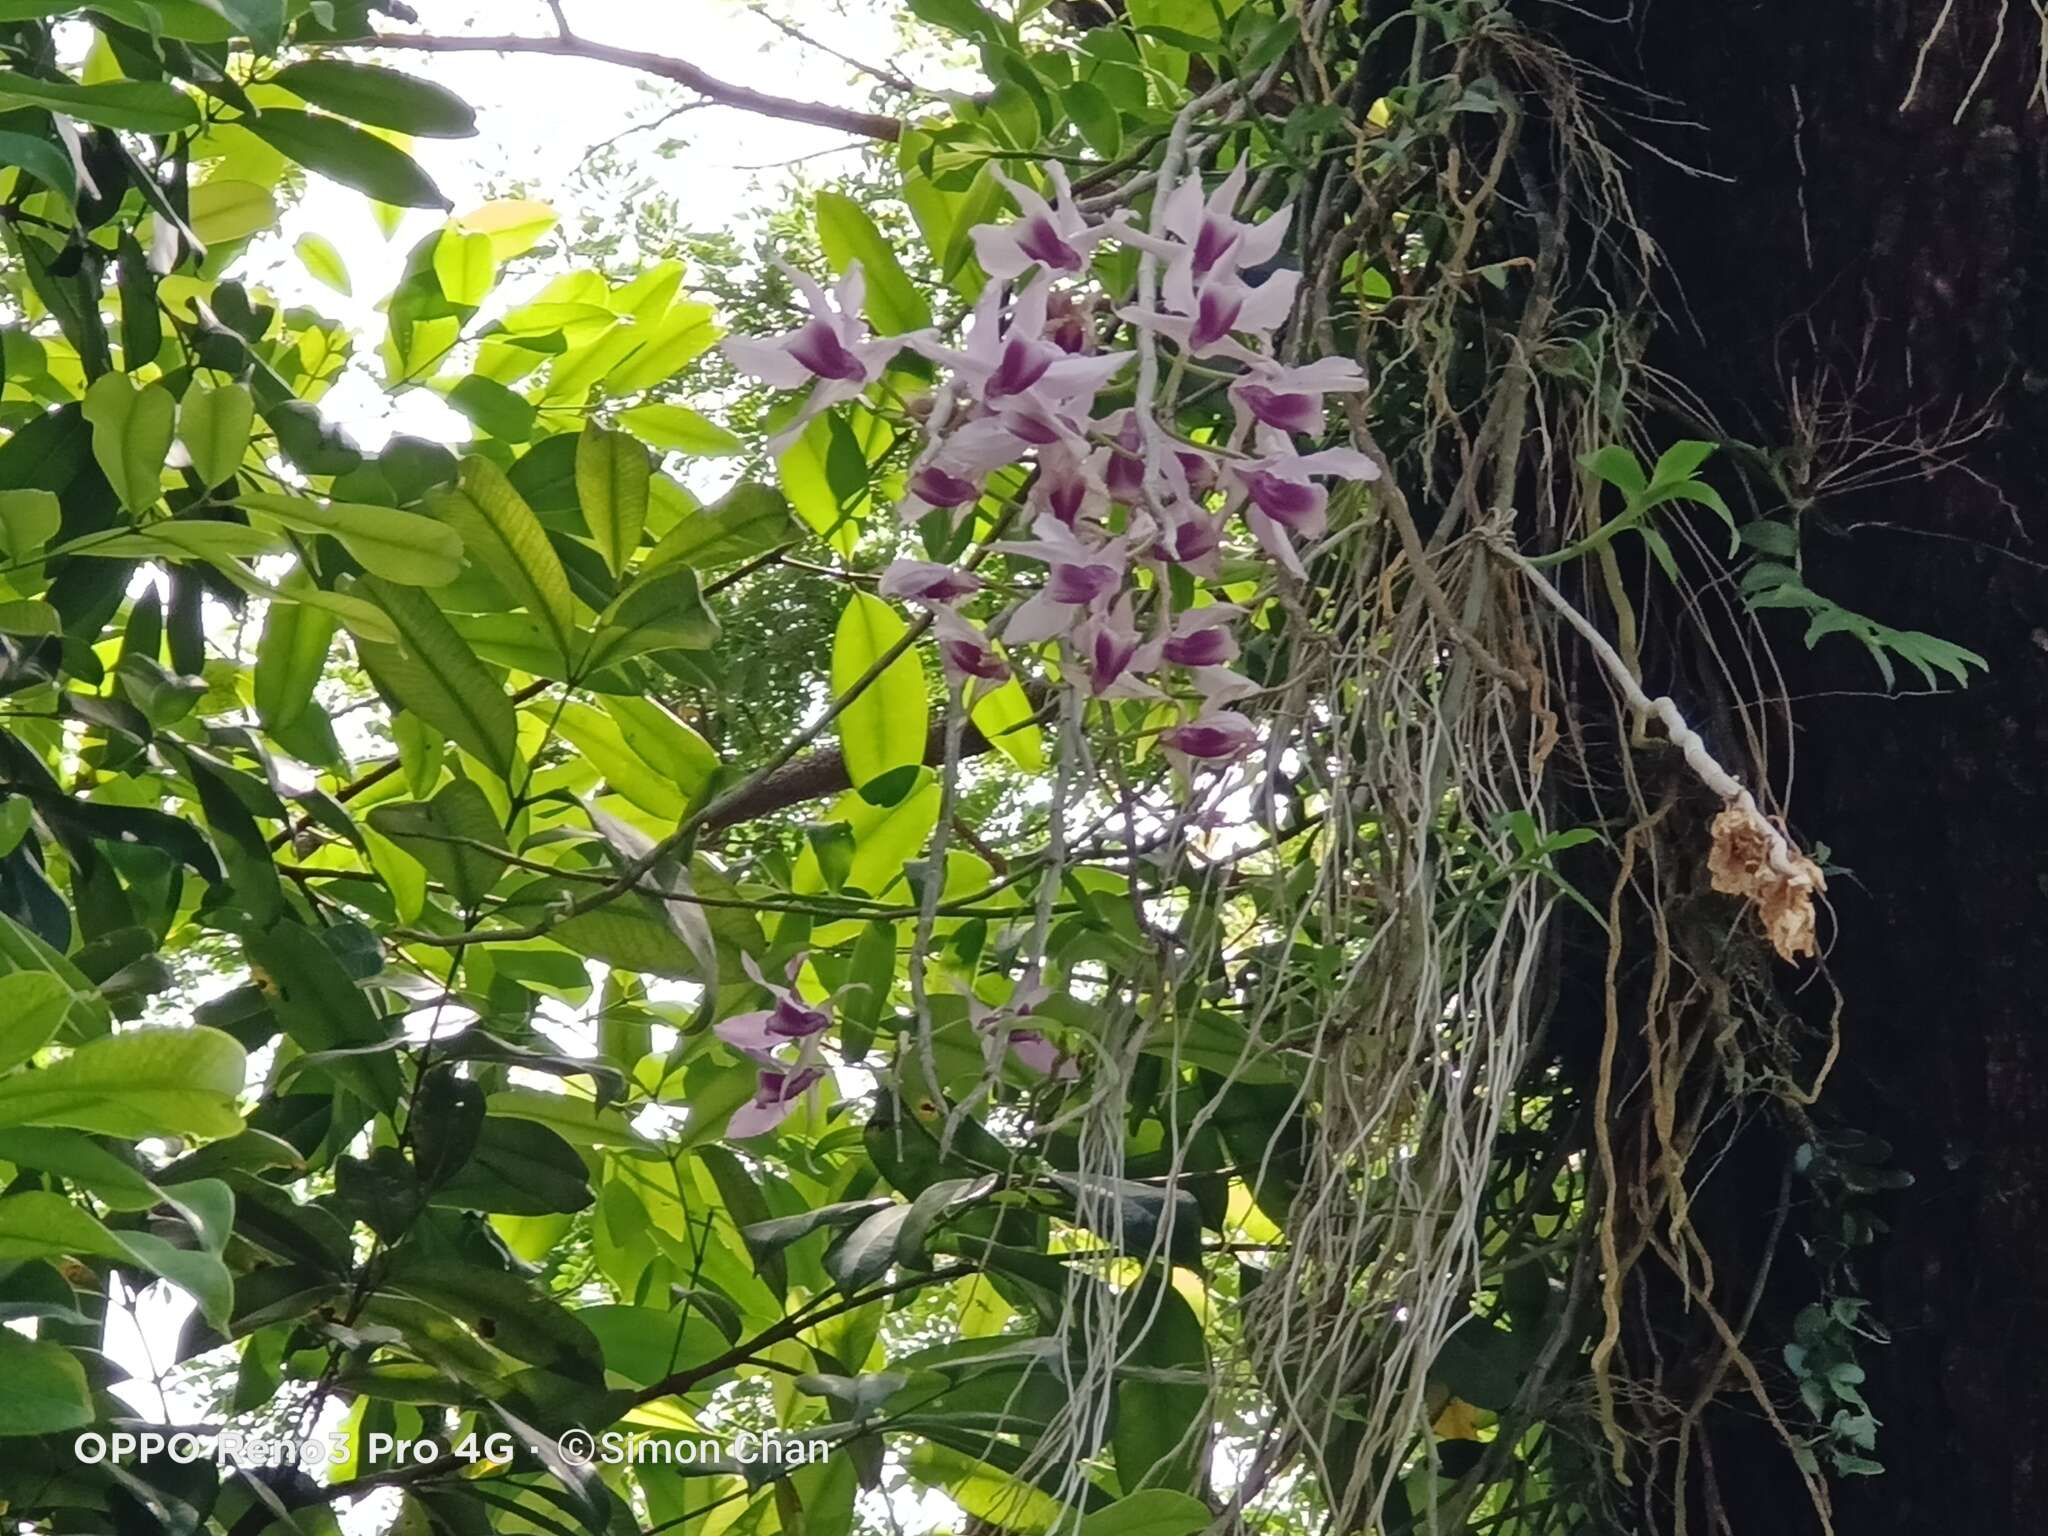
{"x":1858,"y":278}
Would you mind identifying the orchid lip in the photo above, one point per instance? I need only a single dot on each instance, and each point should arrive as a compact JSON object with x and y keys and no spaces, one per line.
{"x":942,"y":488}
{"x":1204,"y":648}
{"x":1023,"y":365}
{"x":819,"y":349}
{"x":1216,"y":317}
{"x":1044,"y":245}
{"x":1285,"y":501}
{"x":1078,"y":584}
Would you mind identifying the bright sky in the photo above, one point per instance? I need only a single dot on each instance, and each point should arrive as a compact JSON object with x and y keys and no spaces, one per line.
{"x":539,"y":116}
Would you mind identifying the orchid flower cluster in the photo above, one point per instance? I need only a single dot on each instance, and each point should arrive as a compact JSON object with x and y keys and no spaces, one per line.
{"x":1117,"y":499}
{"x":1113,"y":494}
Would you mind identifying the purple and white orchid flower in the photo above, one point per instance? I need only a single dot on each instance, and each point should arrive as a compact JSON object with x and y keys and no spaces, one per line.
{"x":1007,"y":358}
{"x":832,"y":351}
{"x":1291,"y":399}
{"x":1080,"y":576}
{"x":776,"y":1095}
{"x":790,"y":1019}
{"x":1055,"y":236}
{"x":1282,"y":500}
{"x":1000,"y":1029}
{"x":1115,"y":654}
{"x":966,"y":650}
{"x":926,"y":581}
{"x":1201,"y":637}
{"x":1213,"y":736}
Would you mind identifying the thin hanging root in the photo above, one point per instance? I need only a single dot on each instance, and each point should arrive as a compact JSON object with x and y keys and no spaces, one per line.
{"x":1750,"y":856}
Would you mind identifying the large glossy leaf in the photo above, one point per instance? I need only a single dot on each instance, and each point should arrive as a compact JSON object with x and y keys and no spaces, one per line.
{"x":131,"y":436}
{"x":433,"y":672}
{"x":848,"y":234}
{"x":213,"y":424}
{"x":143,"y":106}
{"x":444,"y":833}
{"x":886,"y":725}
{"x":87,"y":1015}
{"x":345,"y":153}
{"x":524,"y":1325}
{"x":662,"y":610}
{"x":748,"y":520}
{"x":291,"y":657}
{"x":612,"y":475}
{"x":46,"y":1388}
{"x":32,"y":1008}
{"x":146,"y":1082}
{"x":501,"y":531}
{"x":385,"y":97}
{"x":399,"y":546}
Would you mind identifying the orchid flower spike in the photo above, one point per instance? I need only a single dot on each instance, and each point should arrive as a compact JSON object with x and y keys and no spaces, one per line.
{"x":832,"y":351}
{"x":1054,"y":236}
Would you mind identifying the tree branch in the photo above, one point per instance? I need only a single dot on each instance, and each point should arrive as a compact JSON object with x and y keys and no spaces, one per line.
{"x":821,"y":773}
{"x":871,"y":125}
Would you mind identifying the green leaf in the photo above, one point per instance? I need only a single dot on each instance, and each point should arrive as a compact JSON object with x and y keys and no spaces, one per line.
{"x":345,"y":153}
{"x":1003,"y":715}
{"x":1680,"y":461}
{"x":401,"y":547}
{"x":28,"y":521}
{"x":146,"y":1082}
{"x":500,"y":529}
{"x":678,"y":429}
{"x":240,"y":841}
{"x":612,"y":478}
{"x":1618,"y":467}
{"x":82,"y":1160}
{"x":1153,"y":1512}
{"x":433,"y":672}
{"x":317,"y":254}
{"x":1096,"y":116}
{"x":20,"y":950}
{"x":36,"y":1224}
{"x":142,"y":332}
{"x":213,"y":424}
{"x":141,"y":106}
{"x":131,"y":436}
{"x":32,"y":1007}
{"x":886,"y":726}
{"x":602,"y":742}
{"x":504,"y":413}
{"x":46,"y":1388}
{"x":664,"y":743}
{"x":894,"y":303}
{"x":864,"y":1255}
{"x":225,"y":210}
{"x":290,"y":658}
{"x":523,"y":1324}
{"x":663,"y":610}
{"x":387,"y":98}
{"x":1161,"y":1425}
{"x":463,"y":266}
{"x":750,"y":519}
{"x":671,"y":344}
{"x":42,"y":160}
{"x":441,"y":834}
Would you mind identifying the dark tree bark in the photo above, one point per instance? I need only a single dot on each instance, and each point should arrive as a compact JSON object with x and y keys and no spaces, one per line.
{"x":1868,"y":250}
